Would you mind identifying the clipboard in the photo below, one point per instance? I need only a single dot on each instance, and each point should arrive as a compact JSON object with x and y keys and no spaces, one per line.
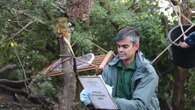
{"x":99,"y":95}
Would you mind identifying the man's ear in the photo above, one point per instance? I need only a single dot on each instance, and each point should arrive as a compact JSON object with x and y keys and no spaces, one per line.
{"x":136,"y":46}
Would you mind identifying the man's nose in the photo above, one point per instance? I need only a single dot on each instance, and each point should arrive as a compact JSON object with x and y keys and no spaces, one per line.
{"x":120,"y":49}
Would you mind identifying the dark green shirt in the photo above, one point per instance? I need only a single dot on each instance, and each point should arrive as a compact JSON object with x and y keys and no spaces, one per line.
{"x":124,"y":80}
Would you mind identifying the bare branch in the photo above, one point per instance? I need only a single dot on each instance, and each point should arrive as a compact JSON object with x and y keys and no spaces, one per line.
{"x":30,"y":16}
{"x":23,"y":28}
{"x":14,"y":84}
{"x":7,"y":67}
{"x":13,"y":90}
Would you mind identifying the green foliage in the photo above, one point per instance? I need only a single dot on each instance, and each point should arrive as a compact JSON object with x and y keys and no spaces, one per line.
{"x":107,"y":17}
{"x":44,"y":86}
{"x":152,"y":34}
{"x":37,"y":46}
{"x":190,"y":94}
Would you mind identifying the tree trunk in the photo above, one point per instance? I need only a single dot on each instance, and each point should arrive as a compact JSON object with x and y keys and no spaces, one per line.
{"x":186,"y":12}
{"x":179,"y":89}
{"x":75,"y":9}
{"x":79,"y":9}
{"x":181,"y":77}
{"x":67,"y":102}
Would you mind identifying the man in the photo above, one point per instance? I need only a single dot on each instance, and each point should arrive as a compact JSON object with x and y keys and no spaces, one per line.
{"x":189,"y":41}
{"x":133,"y":80}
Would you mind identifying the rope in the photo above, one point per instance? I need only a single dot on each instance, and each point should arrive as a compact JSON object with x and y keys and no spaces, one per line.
{"x":69,"y":45}
{"x":99,"y":47}
{"x":76,"y":59}
{"x":172,"y":43}
{"x":180,"y":23}
{"x":183,"y":32}
{"x":179,"y":18}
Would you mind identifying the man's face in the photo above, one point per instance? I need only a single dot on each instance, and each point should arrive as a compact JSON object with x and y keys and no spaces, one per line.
{"x":126,"y":49}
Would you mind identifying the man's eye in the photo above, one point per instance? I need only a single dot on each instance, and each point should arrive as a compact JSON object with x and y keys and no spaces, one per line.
{"x":125,"y":46}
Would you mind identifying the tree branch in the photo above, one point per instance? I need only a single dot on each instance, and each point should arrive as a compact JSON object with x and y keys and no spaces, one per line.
{"x":36,"y":19}
{"x":7,"y":67}
{"x":14,"y":84}
{"x":23,"y":28}
{"x":33,"y":98}
{"x":13,"y":90}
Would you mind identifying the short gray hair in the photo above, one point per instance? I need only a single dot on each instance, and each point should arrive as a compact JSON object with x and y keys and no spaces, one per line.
{"x":128,"y":32}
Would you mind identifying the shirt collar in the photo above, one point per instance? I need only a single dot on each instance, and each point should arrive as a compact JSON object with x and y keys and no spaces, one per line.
{"x":131,"y":66}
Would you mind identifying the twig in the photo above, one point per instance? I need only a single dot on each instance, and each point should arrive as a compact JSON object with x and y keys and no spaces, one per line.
{"x":30,"y":16}
{"x":60,"y":8}
{"x":20,"y":62}
{"x":23,"y":28}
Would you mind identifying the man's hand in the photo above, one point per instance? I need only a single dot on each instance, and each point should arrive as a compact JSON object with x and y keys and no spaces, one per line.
{"x":183,"y":45}
{"x":85,"y":97}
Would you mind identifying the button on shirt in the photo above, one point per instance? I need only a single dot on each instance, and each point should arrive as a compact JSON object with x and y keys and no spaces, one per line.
{"x":124,"y":80}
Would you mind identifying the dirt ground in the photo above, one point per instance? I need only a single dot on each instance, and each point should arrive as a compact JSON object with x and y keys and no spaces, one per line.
{"x":14,"y":102}
{"x":9,"y":102}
